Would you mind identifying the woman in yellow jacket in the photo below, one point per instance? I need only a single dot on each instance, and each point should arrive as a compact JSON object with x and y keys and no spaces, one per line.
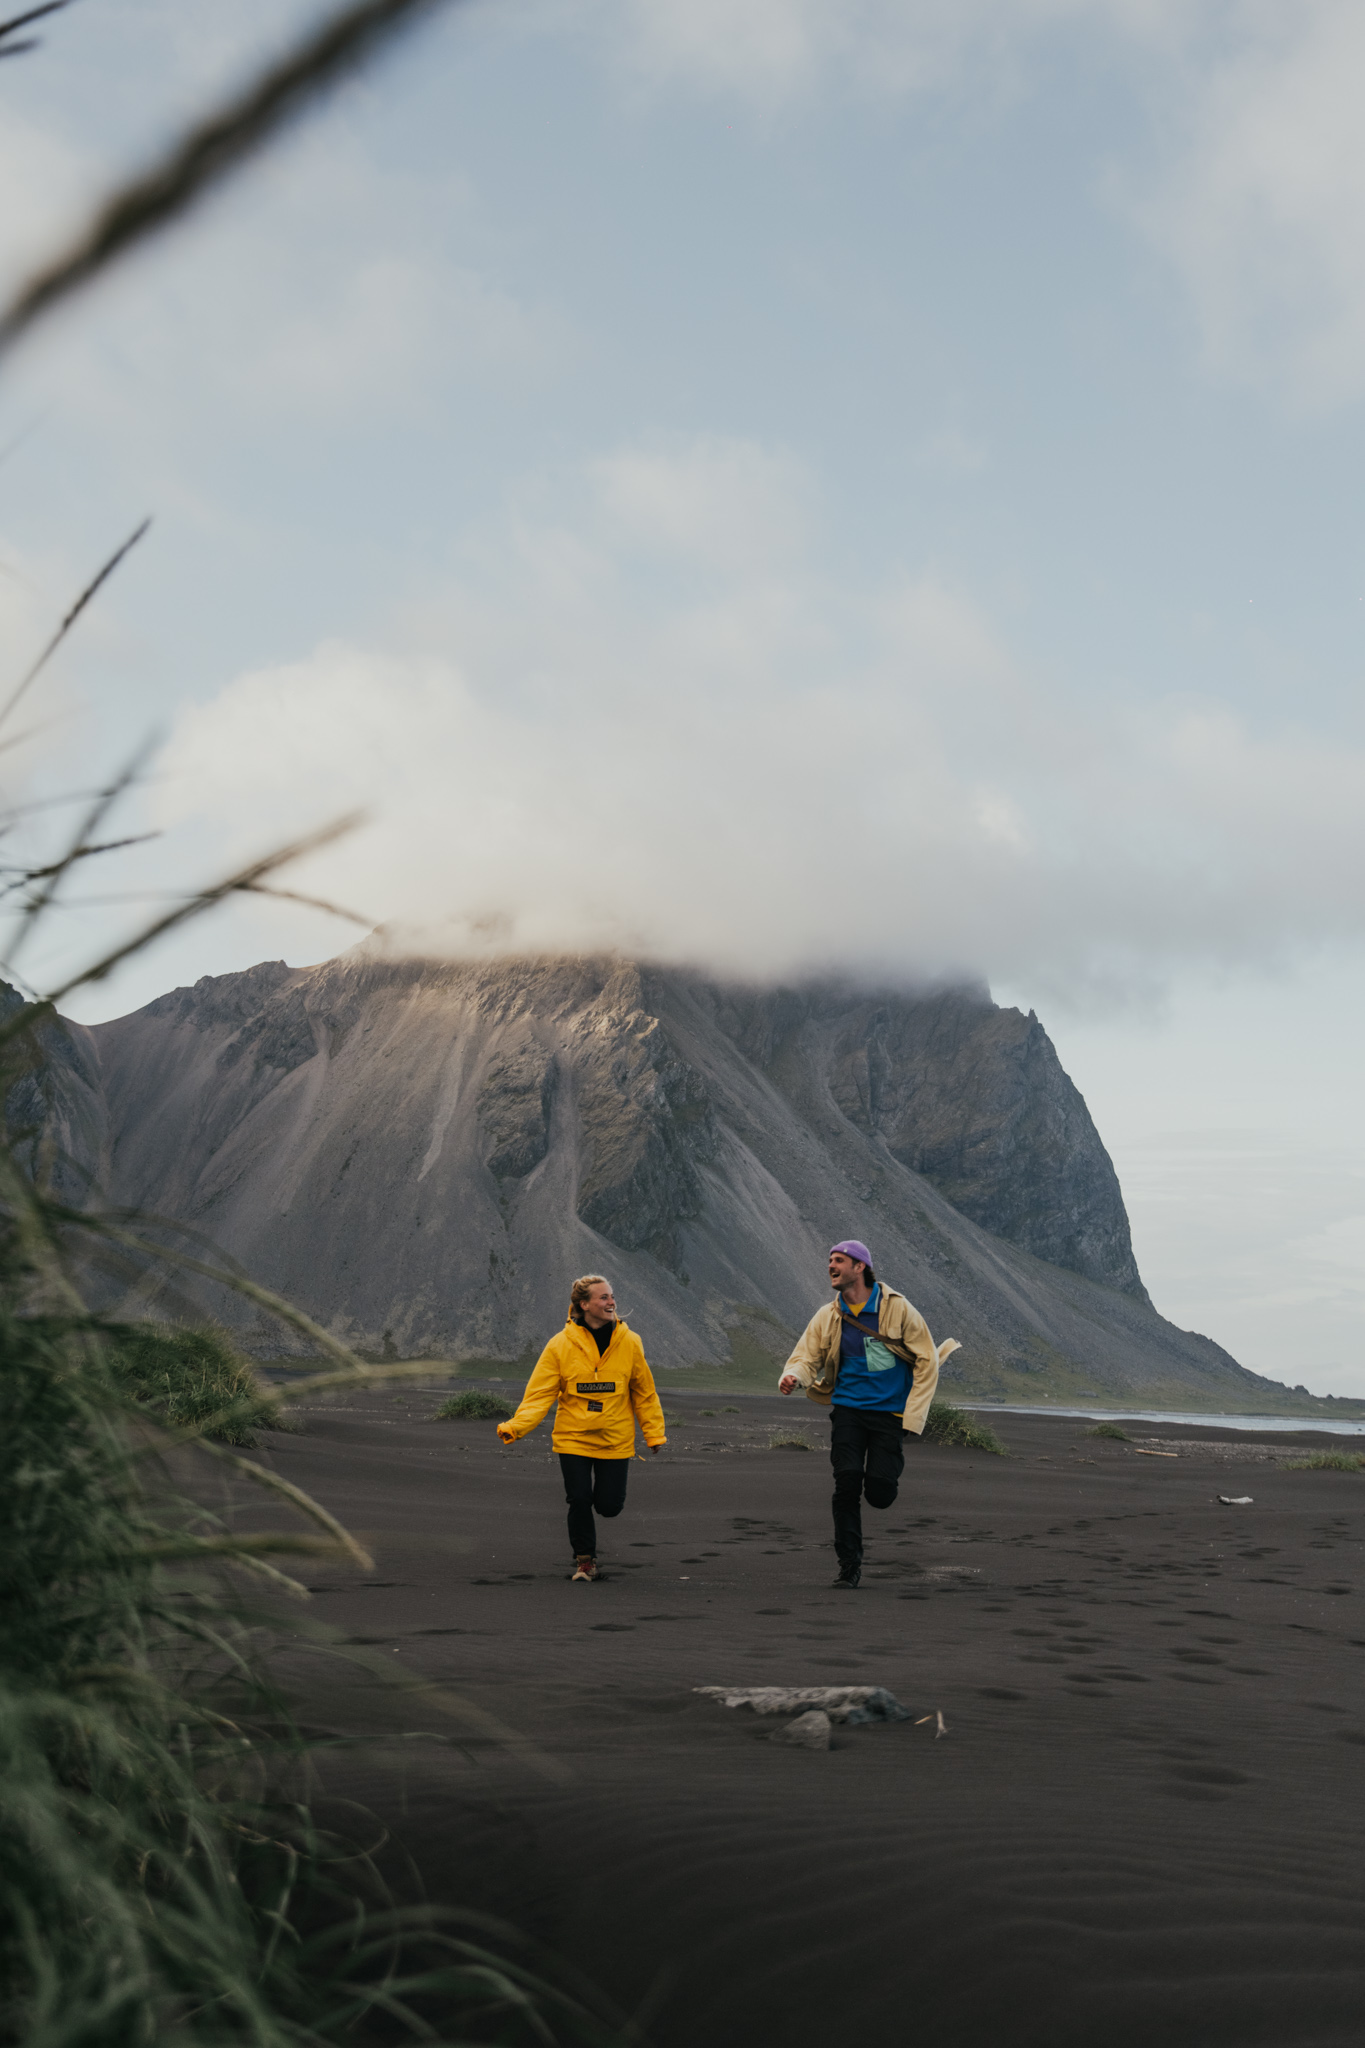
{"x":595,"y":1369}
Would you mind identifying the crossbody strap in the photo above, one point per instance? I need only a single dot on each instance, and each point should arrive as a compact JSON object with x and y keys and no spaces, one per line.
{"x":893,"y":1344}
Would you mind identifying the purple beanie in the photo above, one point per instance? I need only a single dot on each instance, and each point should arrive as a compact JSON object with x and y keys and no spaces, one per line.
{"x":852,"y":1249}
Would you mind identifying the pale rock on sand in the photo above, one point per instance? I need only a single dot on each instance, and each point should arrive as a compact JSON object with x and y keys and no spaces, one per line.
{"x":807,"y":1731}
{"x":848,"y":1703}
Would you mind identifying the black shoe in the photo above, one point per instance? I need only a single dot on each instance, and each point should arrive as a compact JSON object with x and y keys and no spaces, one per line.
{"x":849,"y":1575}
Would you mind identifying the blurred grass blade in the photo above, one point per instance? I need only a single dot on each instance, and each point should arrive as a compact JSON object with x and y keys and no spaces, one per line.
{"x":43,"y":1010}
{"x":309,"y":902}
{"x":225,"y":1275}
{"x":216,"y":146}
{"x":162,"y":1878}
{"x":81,"y":847}
{"x":69,"y":621}
{"x":304,"y":1502}
{"x":244,"y":881}
{"x":18,"y":21}
{"x":58,"y":867}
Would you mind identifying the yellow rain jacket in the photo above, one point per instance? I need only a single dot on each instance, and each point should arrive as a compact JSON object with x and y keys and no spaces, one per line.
{"x":903,"y":1330}
{"x":599,"y":1397}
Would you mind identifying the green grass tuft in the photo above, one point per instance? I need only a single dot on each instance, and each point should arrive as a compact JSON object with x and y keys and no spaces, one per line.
{"x":729,"y":1411}
{"x":954,"y":1426}
{"x":474,"y":1406}
{"x":789,"y":1443}
{"x":1327,"y":1461}
{"x":1112,"y":1432}
{"x":153,"y":1886}
{"x":192,"y":1379}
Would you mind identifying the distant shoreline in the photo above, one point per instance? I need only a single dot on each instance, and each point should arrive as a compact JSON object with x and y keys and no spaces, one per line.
{"x":1347,"y":1420}
{"x":1294,"y":1420}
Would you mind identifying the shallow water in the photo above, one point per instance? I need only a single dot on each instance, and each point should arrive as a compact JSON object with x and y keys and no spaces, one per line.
{"x":1286,"y":1425}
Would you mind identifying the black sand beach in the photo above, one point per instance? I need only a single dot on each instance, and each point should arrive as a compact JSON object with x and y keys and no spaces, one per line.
{"x":1141,"y":1826}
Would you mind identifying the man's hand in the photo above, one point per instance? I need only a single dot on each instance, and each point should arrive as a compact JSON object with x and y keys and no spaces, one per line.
{"x":788,"y":1383}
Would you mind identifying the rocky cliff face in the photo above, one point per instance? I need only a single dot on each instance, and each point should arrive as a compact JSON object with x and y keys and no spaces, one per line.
{"x":55,"y":1111}
{"x":970,"y":1096}
{"x":422,"y":1154}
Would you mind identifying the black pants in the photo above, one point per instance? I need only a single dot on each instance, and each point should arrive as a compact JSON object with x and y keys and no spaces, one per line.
{"x":867,"y":1451}
{"x":591,"y":1483}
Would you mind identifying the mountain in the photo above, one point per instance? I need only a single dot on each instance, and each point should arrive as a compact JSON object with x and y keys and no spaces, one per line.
{"x":55,"y":1112}
{"x":423,"y":1153}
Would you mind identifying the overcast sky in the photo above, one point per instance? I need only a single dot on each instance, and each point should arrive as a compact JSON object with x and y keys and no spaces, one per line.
{"x":774,"y":484}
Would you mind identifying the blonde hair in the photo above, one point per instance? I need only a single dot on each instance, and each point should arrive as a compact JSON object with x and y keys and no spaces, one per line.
{"x":580,"y":1291}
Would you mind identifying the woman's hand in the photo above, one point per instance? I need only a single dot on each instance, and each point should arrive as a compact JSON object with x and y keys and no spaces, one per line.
{"x":506,"y":1434}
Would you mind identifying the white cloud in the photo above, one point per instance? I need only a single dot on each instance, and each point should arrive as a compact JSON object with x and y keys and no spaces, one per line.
{"x":47,"y":181}
{"x":1339,"y":1253}
{"x":25,"y":617}
{"x":331,"y":284}
{"x":36,"y":590}
{"x":110,"y":87}
{"x":775,"y":51}
{"x":726,"y":503}
{"x":750,"y":768}
{"x":373,"y":330}
{"x":350,"y":286}
{"x":1252,"y":189}
{"x":1261,"y":203}
{"x":951,"y":452}
{"x":325,"y":285}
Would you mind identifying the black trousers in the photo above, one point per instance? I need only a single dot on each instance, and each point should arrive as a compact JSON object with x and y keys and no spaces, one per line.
{"x":867,"y":1451}
{"x":591,"y":1483}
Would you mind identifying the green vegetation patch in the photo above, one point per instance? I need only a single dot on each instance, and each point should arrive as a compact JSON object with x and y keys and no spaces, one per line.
{"x":473,"y":1406}
{"x":1327,"y":1461}
{"x":1112,"y":1432}
{"x":954,"y":1426}
{"x":192,"y":1379}
{"x":154,"y":1885}
{"x":789,"y":1442}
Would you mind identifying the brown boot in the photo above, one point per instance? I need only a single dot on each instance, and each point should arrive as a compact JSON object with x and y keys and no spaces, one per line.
{"x":586,"y":1567}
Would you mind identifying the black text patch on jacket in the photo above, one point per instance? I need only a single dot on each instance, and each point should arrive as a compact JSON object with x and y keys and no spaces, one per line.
{"x":597,"y":1386}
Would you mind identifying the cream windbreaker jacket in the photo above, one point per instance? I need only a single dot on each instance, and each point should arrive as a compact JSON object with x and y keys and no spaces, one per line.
{"x":815,"y":1361}
{"x":597,"y":1401}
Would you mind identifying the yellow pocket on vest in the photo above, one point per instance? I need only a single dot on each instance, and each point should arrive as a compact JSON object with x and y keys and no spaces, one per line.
{"x":879,"y":1359}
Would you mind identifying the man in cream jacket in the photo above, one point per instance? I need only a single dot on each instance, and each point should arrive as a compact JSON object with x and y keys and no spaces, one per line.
{"x":869,"y":1358}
